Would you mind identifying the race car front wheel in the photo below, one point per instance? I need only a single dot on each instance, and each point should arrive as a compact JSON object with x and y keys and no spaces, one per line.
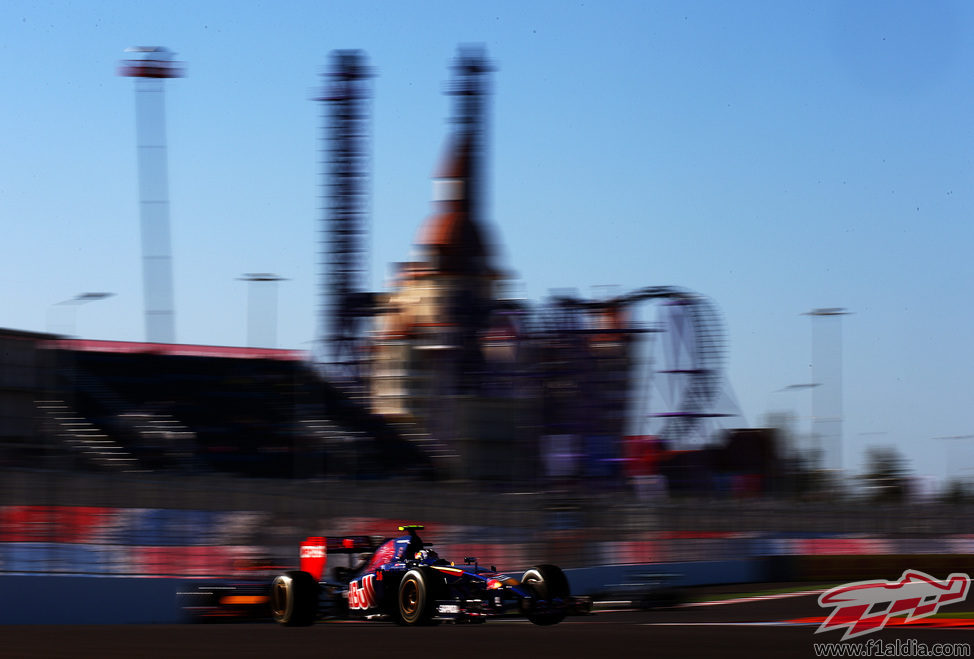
{"x":418,"y":592}
{"x":548,"y":584}
{"x":294,"y":599}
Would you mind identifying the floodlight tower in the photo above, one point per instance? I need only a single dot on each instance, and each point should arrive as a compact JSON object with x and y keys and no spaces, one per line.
{"x":152,"y":66}
{"x":261,"y":308}
{"x":343,"y":251}
{"x":827,"y":376}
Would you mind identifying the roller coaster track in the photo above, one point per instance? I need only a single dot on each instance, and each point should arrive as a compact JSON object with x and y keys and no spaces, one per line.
{"x":704,"y":374}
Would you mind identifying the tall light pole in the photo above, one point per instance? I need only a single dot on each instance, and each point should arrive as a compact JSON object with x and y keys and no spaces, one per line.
{"x":827,"y":374}
{"x":150,"y":71}
{"x":261,"y":309}
{"x":70,"y":306}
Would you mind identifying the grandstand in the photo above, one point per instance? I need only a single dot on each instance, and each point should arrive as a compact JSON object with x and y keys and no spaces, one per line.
{"x":247,"y":411}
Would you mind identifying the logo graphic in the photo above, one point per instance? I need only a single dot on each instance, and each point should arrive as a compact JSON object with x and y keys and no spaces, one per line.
{"x":308,"y":551}
{"x":314,"y":556}
{"x":865,"y":606}
{"x":361,"y":596}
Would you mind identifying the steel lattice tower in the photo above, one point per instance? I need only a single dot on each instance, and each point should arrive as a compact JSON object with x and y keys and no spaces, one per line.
{"x":469,"y":86}
{"x":344,"y":228}
{"x":150,"y":73}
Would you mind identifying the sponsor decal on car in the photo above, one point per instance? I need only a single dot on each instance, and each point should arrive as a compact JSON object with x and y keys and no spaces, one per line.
{"x":362,"y":596}
{"x":313,"y":552}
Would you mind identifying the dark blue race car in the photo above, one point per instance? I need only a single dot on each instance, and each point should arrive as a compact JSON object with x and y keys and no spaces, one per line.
{"x":404,"y":580}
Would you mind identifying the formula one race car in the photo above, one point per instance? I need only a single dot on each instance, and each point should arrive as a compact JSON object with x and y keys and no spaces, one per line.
{"x":404,"y":580}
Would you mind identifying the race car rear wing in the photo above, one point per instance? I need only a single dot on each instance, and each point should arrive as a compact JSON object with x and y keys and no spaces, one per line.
{"x":315,"y":549}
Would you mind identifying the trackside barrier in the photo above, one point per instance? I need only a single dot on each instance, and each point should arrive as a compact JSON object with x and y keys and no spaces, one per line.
{"x":125,"y":526}
{"x":589,"y":580}
{"x":57,"y":600}
{"x":62,"y":559}
{"x":889,"y":567}
{"x":78,"y":600}
{"x":88,"y":600}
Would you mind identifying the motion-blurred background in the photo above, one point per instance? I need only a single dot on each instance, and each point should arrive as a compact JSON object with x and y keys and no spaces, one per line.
{"x":580,"y":429}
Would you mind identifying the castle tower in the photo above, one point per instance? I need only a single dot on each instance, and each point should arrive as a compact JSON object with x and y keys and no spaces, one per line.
{"x":431,"y":324}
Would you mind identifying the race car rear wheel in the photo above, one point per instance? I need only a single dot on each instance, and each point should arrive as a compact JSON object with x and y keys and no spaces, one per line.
{"x":294,"y":599}
{"x":418,"y":592}
{"x":548,"y":583}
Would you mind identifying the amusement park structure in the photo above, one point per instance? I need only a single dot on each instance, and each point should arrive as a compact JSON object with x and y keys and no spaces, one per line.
{"x":682,"y":358}
{"x":343,"y":252}
{"x":446,"y":352}
{"x":444,"y":375}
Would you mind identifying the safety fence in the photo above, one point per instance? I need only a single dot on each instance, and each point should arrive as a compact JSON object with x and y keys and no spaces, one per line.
{"x":201,"y":526}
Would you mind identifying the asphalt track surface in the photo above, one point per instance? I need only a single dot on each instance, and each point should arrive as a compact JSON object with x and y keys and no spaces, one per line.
{"x":743,"y":629}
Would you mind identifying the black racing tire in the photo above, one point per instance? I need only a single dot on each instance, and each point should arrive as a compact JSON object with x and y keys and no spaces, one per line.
{"x":418,"y":592}
{"x":546,"y":582}
{"x":294,"y":599}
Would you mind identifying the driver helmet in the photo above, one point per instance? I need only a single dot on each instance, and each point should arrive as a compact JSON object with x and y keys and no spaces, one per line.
{"x":426,"y":554}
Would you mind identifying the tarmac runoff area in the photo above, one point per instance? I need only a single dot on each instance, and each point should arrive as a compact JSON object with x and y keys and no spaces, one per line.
{"x":770,"y":625}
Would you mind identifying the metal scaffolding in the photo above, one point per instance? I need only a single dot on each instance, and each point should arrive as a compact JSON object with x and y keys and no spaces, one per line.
{"x":344,"y":225}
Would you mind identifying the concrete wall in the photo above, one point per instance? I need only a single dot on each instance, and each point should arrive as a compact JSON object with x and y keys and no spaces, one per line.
{"x":36,"y":599}
{"x":588,"y":580}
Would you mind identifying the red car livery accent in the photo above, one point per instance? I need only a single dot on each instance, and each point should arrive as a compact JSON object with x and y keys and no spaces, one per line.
{"x":362,"y":596}
{"x":384,"y":554}
{"x":314,"y":556}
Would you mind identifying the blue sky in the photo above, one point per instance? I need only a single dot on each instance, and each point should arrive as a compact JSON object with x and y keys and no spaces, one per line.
{"x":774,"y":156}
